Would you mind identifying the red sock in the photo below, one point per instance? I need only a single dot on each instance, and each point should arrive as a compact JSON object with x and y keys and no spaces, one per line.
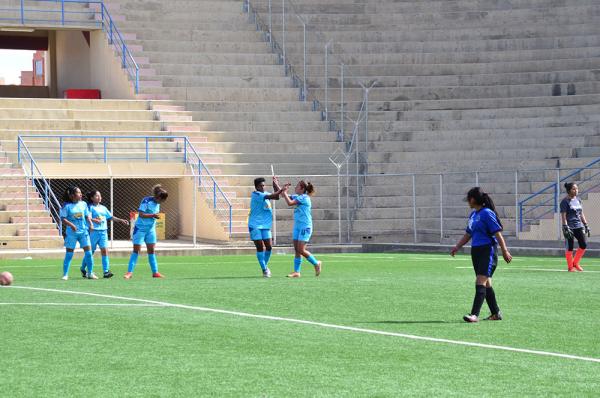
{"x":569,"y":256}
{"x":578,"y":254}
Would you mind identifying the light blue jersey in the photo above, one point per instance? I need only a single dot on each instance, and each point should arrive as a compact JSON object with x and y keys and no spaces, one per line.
{"x":302,"y":212}
{"x":148,"y":206}
{"x":261,"y":214}
{"x":101,"y":212}
{"x":76,"y":213}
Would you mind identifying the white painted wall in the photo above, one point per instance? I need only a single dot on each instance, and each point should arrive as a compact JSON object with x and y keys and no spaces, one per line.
{"x":72,"y":61}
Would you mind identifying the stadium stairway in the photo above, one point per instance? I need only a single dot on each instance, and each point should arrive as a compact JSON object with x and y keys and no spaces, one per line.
{"x":206,"y":57}
{"x":460,"y":86}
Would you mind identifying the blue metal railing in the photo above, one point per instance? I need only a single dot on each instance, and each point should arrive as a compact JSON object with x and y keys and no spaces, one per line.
{"x":184,"y":150}
{"x":39,"y":182}
{"x":548,"y":206}
{"x":98,"y":17}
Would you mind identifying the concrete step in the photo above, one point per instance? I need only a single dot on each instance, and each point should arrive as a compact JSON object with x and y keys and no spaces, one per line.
{"x":227,"y":93}
{"x":20,"y":242}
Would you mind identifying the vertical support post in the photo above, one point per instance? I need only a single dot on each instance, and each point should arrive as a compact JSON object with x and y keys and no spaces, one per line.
{"x":105,"y":142}
{"x":366,"y":125}
{"x":19,"y":149}
{"x":27,"y":213}
{"x":356,"y":140}
{"x":62,"y":12}
{"x":556,"y":211}
{"x":414,"y":203}
{"x":110,"y":31}
{"x":112,"y":210}
{"x":214,"y":194}
{"x":274,"y":222}
{"x":46,"y":199}
{"x":185,"y":145}
{"x":339,"y":199}
{"x":102,"y":15}
{"x":441,"y":207}
{"x":60,"y":150}
{"x":304,"y":93}
{"x":270,"y":25}
{"x":348,"y":198}
{"x":195,"y":226}
{"x":476,"y":178}
{"x":517,"y":223}
{"x":283,"y":35}
{"x":22,"y":12}
{"x":147,"y":151}
{"x":137,"y":79}
{"x":230,"y":220}
{"x":124,"y":54}
{"x":327,"y":81}
{"x":342,"y":98}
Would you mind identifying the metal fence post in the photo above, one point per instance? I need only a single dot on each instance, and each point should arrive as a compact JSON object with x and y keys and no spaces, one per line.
{"x":62,"y":12}
{"x":112,"y":209}
{"x":327,"y":80}
{"x":283,"y":35}
{"x":195,"y":226}
{"x":60,"y":150}
{"x":342,"y":98}
{"x":22,"y":12}
{"x":556,"y":200}
{"x":270,"y":25}
{"x":441,"y":207}
{"x":110,"y":31}
{"x":147,"y":151}
{"x":348,"y":199}
{"x":27,"y":214}
{"x":304,"y":93}
{"x":124,"y":51}
{"x":214,"y":194}
{"x":414,"y":203}
{"x":476,"y":178}
{"x":105,"y":149}
{"x":367,"y":125}
{"x":274,"y":222}
{"x":517,"y":203}
{"x":339,"y":198}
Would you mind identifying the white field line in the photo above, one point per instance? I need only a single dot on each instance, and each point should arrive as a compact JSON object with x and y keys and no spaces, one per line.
{"x":320,"y":324}
{"x":85,"y":304}
{"x":535,"y":269}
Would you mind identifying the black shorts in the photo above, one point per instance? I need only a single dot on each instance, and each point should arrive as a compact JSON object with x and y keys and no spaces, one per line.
{"x":485,"y":259}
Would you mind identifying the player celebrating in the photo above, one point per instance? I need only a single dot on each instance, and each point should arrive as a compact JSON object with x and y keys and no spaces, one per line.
{"x":145,"y":230}
{"x":485,"y":228}
{"x":260,"y":221}
{"x":76,"y":216}
{"x":574,"y":226}
{"x":99,"y":236}
{"x":302,"y":225}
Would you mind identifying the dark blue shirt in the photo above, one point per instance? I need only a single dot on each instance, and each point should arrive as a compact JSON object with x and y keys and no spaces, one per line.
{"x":483,"y":225}
{"x":573,"y":210}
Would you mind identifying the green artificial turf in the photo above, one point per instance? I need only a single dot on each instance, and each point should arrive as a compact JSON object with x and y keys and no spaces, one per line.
{"x":122,"y":351}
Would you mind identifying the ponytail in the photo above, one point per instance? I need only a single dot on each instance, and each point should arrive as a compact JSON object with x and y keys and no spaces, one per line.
{"x":483,"y":199}
{"x":69,"y":192}
{"x":90,"y":195}
{"x":308,"y":187}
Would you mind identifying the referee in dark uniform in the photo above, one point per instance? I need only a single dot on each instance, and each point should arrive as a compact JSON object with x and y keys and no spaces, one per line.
{"x":485,"y":231}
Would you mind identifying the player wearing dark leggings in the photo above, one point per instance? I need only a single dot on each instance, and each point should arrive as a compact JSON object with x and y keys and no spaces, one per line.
{"x":575,"y":226}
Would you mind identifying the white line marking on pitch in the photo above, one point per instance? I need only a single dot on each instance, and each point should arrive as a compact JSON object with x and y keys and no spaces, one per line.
{"x":86,"y":304}
{"x":535,"y":269}
{"x":320,"y":324}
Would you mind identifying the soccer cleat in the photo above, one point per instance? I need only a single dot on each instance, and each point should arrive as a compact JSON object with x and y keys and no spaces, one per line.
{"x":578,"y":267}
{"x":572,"y":269}
{"x":471,"y":318}
{"x":107,"y":275}
{"x":83,"y":272}
{"x":318,"y":268}
{"x":266,"y":273}
{"x":494,"y":317}
{"x":91,"y":276}
{"x":157,"y":275}
{"x":294,"y":275}
{"x":65,"y":278}
{"x":128,"y":275}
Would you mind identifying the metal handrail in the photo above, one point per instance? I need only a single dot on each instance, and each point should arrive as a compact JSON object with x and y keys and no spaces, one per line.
{"x":106,"y":23}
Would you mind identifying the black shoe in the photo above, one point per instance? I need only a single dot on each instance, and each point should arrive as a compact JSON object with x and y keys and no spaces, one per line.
{"x":83,"y":273}
{"x":108,"y":274}
{"x":495,"y":317}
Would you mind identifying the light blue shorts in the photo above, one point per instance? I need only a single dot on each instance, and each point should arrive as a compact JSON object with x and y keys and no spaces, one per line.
{"x":302,"y":233}
{"x":259,"y":234}
{"x":147,"y":237}
{"x":73,"y":237}
{"x":99,"y":239}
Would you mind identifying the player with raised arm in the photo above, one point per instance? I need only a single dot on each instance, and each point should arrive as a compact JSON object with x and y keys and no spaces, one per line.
{"x":99,"y":236}
{"x":145,"y":230}
{"x":77,"y":218}
{"x":260,"y":221}
{"x":485,"y":231}
{"x":303,"y":226}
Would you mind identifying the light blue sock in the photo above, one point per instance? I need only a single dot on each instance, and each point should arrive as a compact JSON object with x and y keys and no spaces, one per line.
{"x":67,"y":263}
{"x":153,"y":263}
{"x":311,"y":259}
{"x":105,"y":264}
{"x":297,"y":264}
{"x":267,"y":257}
{"x":261,"y":260}
{"x":88,"y":257}
{"x":132,"y":261}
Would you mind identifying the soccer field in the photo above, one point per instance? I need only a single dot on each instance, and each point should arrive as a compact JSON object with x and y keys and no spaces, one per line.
{"x":148,"y":337}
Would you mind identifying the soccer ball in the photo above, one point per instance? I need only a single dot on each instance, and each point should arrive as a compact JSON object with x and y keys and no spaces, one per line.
{"x":6,"y":278}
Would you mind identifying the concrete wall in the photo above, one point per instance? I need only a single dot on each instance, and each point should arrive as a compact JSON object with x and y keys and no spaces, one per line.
{"x":208,"y":227}
{"x":93,"y":66}
{"x":114,"y":169}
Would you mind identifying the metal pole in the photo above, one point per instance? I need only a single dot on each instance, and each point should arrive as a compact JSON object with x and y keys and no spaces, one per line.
{"x":62,"y":12}
{"x":60,"y":152}
{"x":342,"y":98}
{"x":283,"y":34}
{"x":517,"y":203}
{"x":112,"y":209}
{"x":441,"y":207}
{"x":194,"y":228}
{"x":22,"y":12}
{"x":105,"y":150}
{"x":27,"y":214}
{"x":274,"y":222}
{"x":366,"y":124}
{"x":339,"y":206}
{"x":327,"y":81}
{"x":356,"y":140}
{"x":270,"y":25}
{"x":304,"y":93}
{"x":414,"y":203}
{"x":556,"y":212}
{"x":476,"y":178}
{"x":348,"y":198}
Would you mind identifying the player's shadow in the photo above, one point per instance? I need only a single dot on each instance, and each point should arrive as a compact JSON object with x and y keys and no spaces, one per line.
{"x":412,"y":322}
{"x":221,"y":278}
